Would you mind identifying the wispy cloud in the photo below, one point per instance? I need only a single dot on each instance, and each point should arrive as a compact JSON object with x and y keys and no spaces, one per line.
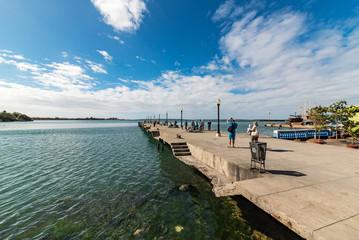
{"x":96,"y":67}
{"x":224,"y":11}
{"x":124,"y":15}
{"x":22,"y":66}
{"x":106,"y":56}
{"x":117,"y":38}
{"x":141,"y":58}
{"x":64,"y":76}
{"x":274,"y":60}
{"x":14,"y":56}
{"x":64,"y":54}
{"x":5,"y":51}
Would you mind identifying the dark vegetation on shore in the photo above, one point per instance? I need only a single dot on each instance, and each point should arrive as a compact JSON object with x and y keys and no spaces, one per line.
{"x":12,"y":117}
{"x":16,"y":116}
{"x":62,"y":118}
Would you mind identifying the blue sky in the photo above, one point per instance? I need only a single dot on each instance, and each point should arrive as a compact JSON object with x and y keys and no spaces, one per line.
{"x":135,"y":58}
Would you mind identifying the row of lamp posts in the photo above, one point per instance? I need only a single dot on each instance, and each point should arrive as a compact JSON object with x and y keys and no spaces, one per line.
{"x":218,"y":126}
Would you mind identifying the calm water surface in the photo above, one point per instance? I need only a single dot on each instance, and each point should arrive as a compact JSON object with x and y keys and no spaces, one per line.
{"x":104,"y":180}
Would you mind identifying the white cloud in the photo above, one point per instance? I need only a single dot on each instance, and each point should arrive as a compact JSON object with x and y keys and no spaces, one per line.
{"x":96,"y":67}
{"x":5,"y":51}
{"x":117,"y":38}
{"x":177,"y":64}
{"x":14,"y":56}
{"x":64,"y":54}
{"x":64,"y":76}
{"x":269,"y":61}
{"x":124,"y":15}
{"x":141,"y":58}
{"x":277,"y":67}
{"x":106,"y":56}
{"x":217,"y":64}
{"x":22,"y":66}
{"x":19,"y":57}
{"x":224,"y":10}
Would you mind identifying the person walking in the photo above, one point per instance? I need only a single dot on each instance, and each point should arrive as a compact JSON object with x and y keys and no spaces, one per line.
{"x":185,"y":124}
{"x":254,"y":132}
{"x":232,"y":131}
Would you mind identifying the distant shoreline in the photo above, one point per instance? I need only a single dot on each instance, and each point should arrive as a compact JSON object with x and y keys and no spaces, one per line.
{"x":88,"y":118}
{"x":122,"y":119}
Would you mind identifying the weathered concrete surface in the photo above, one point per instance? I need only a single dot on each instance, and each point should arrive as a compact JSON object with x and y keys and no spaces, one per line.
{"x":312,"y":189}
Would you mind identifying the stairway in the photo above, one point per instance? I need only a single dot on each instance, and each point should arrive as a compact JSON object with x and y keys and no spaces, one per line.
{"x":180,"y":149}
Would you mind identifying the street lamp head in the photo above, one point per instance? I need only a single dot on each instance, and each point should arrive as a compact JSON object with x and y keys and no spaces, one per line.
{"x":181,"y":109}
{"x":218,"y":101}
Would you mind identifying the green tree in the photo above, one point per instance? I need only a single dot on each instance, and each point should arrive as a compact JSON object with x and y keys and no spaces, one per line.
{"x":6,"y":117}
{"x":351,"y":127}
{"x":337,"y":112}
{"x":10,"y":117}
{"x":320,"y":118}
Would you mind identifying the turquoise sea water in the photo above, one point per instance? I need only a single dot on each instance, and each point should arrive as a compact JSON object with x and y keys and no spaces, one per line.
{"x":105,"y":180}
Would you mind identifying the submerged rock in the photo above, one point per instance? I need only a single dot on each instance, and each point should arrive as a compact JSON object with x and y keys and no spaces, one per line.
{"x":178,"y":228}
{"x":183,"y":187}
{"x":137,"y":232}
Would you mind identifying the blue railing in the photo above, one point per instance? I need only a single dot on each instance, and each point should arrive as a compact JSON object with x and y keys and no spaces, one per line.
{"x":301,"y":134}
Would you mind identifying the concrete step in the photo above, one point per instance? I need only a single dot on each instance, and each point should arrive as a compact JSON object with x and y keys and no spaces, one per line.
{"x":180,"y":150}
{"x":178,"y":143}
{"x":183,"y":154}
{"x":179,"y":147}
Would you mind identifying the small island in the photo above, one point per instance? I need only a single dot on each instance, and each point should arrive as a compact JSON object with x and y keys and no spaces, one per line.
{"x":12,"y":117}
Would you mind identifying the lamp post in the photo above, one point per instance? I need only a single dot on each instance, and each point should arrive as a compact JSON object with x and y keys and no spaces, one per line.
{"x":159,"y":118}
{"x":166,"y":118}
{"x":181,"y":118}
{"x":269,"y":117}
{"x":218,"y":126}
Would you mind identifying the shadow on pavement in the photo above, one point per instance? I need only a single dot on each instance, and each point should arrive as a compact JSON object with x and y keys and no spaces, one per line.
{"x":279,"y":150}
{"x":288,"y":173}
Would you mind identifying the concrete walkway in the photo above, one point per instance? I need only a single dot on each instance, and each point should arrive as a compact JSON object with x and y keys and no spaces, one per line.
{"x":312,"y":189}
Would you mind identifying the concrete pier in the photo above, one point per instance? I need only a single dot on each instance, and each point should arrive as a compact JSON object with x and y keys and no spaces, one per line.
{"x":312,"y":189}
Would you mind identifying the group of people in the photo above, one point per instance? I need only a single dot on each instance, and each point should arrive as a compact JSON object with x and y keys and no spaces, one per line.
{"x":197,"y":125}
{"x":232,"y":126}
